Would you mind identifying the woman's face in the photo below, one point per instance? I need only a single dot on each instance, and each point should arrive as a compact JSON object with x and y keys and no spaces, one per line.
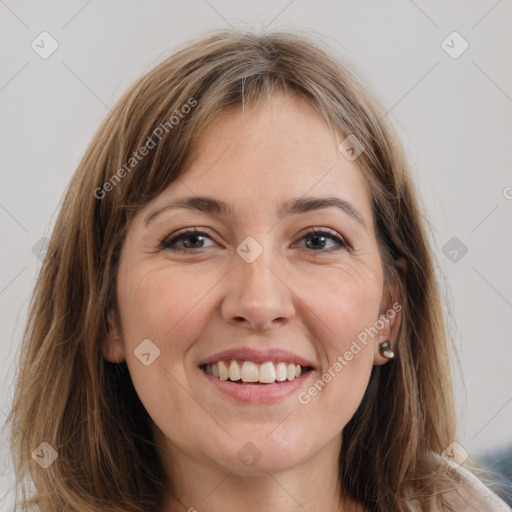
{"x":257,"y":282}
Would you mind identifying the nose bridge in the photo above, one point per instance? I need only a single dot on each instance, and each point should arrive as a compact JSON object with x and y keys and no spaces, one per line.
{"x":253,"y":266}
{"x":256,"y":293}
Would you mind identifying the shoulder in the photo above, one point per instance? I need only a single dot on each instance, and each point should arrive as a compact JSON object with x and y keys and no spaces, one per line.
{"x":473,"y":495}
{"x":470,"y":496}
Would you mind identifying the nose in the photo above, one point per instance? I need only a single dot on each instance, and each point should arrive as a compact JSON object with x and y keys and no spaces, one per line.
{"x":257,"y":296}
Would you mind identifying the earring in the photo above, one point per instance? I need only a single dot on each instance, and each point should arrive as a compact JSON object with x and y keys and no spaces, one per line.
{"x":385,"y":350}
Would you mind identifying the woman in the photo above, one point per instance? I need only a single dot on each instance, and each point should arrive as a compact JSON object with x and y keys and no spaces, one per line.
{"x":238,"y":308}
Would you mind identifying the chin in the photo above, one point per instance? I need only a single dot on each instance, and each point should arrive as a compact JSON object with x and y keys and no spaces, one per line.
{"x":269,"y":462}
{"x":262,"y":455}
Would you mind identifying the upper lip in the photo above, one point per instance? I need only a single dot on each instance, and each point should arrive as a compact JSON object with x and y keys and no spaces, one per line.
{"x":257,"y":356}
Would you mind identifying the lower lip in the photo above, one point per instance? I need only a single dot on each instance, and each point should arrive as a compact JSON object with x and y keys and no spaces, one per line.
{"x":258,"y":393}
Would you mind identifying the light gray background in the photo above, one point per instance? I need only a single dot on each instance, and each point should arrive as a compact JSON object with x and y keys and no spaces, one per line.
{"x":454,"y":116}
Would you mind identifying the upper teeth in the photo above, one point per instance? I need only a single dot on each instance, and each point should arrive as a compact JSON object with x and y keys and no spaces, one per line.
{"x":266,"y":373}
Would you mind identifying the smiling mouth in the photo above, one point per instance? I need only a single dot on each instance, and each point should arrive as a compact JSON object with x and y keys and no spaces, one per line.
{"x":250,"y":373}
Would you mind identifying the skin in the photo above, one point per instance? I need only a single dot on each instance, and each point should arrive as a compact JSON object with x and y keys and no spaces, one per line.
{"x":307,"y":296}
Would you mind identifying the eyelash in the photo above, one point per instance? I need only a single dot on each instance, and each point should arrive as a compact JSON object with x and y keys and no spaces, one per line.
{"x":169,"y":242}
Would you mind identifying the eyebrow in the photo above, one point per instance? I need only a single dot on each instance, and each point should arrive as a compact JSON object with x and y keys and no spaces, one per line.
{"x":293,"y":206}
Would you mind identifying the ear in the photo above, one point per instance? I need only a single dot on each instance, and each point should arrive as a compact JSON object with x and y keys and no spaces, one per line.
{"x":112,"y":345}
{"x":390,"y":316}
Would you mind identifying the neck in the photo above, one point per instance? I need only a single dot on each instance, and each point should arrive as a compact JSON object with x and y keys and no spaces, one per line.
{"x":197,"y":486}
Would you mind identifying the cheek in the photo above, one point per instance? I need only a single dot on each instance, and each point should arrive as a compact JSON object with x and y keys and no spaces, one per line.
{"x":344,"y":301}
{"x":160,"y":302}
{"x":166,"y":307}
{"x":334,"y":396}
{"x":345,"y":305}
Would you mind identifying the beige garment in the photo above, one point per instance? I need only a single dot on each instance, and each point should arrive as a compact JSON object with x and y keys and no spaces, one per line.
{"x":473,"y":496}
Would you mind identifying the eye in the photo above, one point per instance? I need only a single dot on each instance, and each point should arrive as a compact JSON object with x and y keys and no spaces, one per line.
{"x":191,"y":238}
{"x":319,"y":238}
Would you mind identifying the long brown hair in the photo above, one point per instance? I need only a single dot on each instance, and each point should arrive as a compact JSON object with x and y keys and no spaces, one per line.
{"x":86,"y":408}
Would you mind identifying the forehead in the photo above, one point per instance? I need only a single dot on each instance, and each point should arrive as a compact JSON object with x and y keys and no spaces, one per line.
{"x":279,"y":130}
{"x":273,"y":150}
